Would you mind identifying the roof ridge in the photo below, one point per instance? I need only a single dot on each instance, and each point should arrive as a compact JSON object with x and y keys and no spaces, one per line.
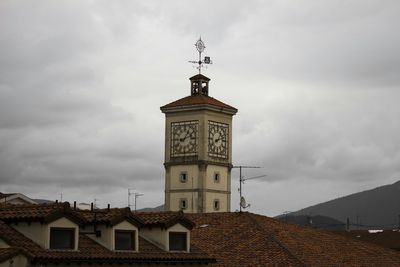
{"x":270,"y":235}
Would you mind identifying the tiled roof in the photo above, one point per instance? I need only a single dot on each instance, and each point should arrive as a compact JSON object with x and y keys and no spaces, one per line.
{"x":198,"y":99}
{"x":386,"y":238}
{"x":164,"y":219}
{"x":41,"y":213}
{"x":7,"y":253}
{"x":92,"y":252}
{"x":50,"y":212}
{"x":246,"y":239}
{"x":110,"y":216}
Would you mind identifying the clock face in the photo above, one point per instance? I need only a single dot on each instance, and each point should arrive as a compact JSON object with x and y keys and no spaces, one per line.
{"x":184,"y":138}
{"x":218,"y":134}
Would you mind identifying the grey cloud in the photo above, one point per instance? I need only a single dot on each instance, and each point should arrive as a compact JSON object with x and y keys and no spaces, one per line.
{"x":81,"y":83}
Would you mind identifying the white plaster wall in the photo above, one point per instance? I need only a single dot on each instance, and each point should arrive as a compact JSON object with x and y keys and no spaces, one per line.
{"x":35,"y":231}
{"x":3,"y":244}
{"x":17,"y":261}
{"x":105,"y":238}
{"x":157,"y":236}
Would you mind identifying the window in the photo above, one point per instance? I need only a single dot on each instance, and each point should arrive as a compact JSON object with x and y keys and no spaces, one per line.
{"x":124,"y":240}
{"x":183,"y":203}
{"x":62,"y":238}
{"x":216,"y":177}
{"x":216,"y":204}
{"x":177,"y":241}
{"x":183,"y":177}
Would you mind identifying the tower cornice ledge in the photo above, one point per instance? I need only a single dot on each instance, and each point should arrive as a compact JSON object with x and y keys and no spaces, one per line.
{"x":198,"y":162}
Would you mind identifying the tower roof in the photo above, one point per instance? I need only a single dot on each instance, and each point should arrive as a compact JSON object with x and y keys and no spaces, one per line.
{"x":198,"y":101}
{"x":199,"y":77}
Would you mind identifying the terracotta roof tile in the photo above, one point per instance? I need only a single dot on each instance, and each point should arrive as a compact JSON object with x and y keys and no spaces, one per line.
{"x":164,"y":219}
{"x":7,"y":253}
{"x":198,"y":99}
{"x":246,"y":239}
{"x":386,"y":238}
{"x":110,"y":216}
{"x":38,"y":212}
{"x":90,"y":251}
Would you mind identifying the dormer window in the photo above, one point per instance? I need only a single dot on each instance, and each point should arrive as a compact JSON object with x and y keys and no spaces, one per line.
{"x":62,"y":238}
{"x":177,"y":241}
{"x":124,"y":239}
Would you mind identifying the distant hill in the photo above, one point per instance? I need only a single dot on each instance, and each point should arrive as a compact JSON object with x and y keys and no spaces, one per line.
{"x":318,"y":221}
{"x":377,"y":208}
{"x":158,"y":208}
{"x":42,"y":201}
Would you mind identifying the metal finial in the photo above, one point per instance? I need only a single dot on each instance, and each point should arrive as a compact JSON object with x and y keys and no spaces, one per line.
{"x":200,"y":45}
{"x":200,"y":48}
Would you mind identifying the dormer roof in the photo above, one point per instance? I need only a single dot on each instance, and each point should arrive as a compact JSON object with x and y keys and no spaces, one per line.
{"x":44,"y":213}
{"x":111,"y":216}
{"x":92,"y":252}
{"x":165,"y":219}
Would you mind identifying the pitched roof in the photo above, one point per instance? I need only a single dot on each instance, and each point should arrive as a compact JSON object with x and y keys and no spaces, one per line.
{"x":110,"y":216}
{"x":7,"y":253}
{"x":92,"y":252}
{"x":246,"y":239}
{"x":386,"y":238}
{"x":198,"y":99}
{"x":38,"y":212}
{"x":164,"y":219}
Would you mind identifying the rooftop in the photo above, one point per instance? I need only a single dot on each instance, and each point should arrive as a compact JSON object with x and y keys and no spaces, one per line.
{"x":196,"y":100}
{"x":256,"y":240}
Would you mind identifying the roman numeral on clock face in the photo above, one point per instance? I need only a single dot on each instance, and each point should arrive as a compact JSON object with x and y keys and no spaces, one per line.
{"x":184,"y":138}
{"x":218,"y":136}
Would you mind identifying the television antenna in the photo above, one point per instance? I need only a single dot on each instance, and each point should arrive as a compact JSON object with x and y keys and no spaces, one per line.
{"x":135,"y":195}
{"x":200,"y":48}
{"x":243,"y":204}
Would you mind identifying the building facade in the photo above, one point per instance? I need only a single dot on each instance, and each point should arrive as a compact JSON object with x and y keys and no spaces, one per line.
{"x":198,"y":151}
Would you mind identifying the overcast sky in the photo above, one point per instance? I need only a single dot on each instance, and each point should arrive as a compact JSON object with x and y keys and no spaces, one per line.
{"x":317,"y":85}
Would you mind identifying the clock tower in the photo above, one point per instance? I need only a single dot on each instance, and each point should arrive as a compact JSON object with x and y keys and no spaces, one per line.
{"x":198,"y":151}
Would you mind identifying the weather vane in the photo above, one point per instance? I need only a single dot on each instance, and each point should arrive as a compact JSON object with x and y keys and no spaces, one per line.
{"x":200,"y":48}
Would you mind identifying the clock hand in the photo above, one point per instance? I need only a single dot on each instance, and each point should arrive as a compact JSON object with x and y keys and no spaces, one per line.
{"x":185,"y":137}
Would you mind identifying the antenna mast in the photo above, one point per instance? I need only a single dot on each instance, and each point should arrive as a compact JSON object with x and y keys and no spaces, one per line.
{"x":135,"y":195}
{"x":200,"y":48}
{"x":242,"y":203}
